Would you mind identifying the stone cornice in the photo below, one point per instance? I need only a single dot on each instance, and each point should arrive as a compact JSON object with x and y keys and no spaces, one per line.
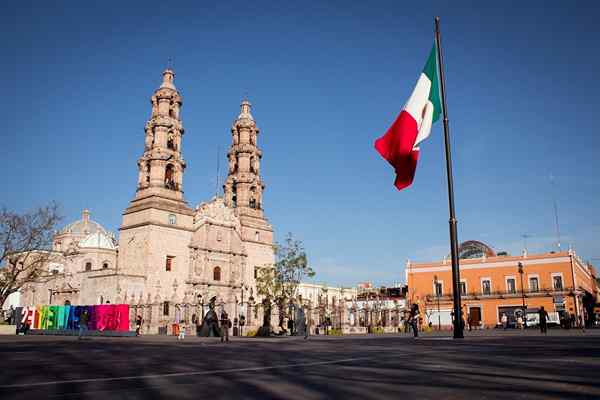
{"x":154,"y":223}
{"x":208,"y":249}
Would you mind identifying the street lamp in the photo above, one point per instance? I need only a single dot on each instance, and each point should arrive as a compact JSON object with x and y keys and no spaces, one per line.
{"x":242,"y":316}
{"x":437,"y":295}
{"x":520,"y":269}
{"x":250,"y":305}
{"x":201,"y":301}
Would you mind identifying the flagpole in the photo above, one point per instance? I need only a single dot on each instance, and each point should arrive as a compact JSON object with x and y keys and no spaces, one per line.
{"x":458,"y":326}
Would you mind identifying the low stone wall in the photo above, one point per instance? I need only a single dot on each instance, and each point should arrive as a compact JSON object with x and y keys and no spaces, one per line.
{"x":8,"y":329}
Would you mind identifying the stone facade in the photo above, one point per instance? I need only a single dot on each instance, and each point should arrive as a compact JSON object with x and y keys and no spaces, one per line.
{"x":170,"y":258}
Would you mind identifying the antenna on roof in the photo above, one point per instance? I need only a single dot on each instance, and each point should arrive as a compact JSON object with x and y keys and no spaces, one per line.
{"x":555,"y":211}
{"x":217,"y":184}
{"x":525,"y":236}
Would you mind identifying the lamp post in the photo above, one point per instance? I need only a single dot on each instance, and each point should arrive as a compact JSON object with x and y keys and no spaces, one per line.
{"x":250,"y":305}
{"x":242,"y":316}
{"x":201,"y":300}
{"x":437,"y":295}
{"x":520,"y":269}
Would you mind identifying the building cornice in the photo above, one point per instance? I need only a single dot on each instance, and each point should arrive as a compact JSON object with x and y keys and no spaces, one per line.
{"x":413,"y":268}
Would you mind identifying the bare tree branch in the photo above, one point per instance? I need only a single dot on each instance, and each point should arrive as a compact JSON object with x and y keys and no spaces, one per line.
{"x":25,"y":246}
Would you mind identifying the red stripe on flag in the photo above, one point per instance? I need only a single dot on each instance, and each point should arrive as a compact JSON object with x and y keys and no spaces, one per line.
{"x":396,"y":146}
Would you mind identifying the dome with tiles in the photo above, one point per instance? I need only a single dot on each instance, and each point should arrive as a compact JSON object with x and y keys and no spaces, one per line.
{"x":84,"y":226}
{"x":99,"y":240}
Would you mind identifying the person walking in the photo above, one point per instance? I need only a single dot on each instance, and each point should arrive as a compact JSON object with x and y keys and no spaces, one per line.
{"x":84,"y":317}
{"x":225,"y":325}
{"x":414,"y":319}
{"x":543,"y":320}
{"x":520,"y":322}
{"x":182,"y":327}
{"x":504,"y":321}
{"x":138,"y":325}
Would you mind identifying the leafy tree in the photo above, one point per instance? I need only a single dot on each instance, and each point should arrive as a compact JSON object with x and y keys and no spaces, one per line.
{"x":278,"y":283}
{"x":25,"y":246}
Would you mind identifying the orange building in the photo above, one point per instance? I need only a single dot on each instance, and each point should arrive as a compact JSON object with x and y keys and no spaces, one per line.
{"x":492,"y":285}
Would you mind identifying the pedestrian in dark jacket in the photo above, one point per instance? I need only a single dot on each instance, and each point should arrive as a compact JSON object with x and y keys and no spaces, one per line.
{"x":225,"y":325}
{"x":414,"y":319}
{"x":543,"y":320}
{"x":84,"y":317}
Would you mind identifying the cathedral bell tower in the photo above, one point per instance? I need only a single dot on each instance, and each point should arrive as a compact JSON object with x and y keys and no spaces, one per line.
{"x":160,"y":168}
{"x":158,"y":223}
{"x":244,"y":187}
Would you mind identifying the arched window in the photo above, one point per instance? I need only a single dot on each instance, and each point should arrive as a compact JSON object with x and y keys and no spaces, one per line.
{"x":170,"y":177}
{"x":148,"y":172}
{"x":217,"y":274}
{"x":88,"y":266}
{"x":171,"y":141}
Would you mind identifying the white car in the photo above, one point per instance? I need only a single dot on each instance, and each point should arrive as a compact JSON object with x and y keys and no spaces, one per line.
{"x":533,"y":319}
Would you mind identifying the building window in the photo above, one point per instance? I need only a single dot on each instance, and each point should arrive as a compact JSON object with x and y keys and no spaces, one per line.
{"x":511,"y":286}
{"x":104,"y":265}
{"x":172,"y":219}
{"x":170,"y":177}
{"x":486,"y":286}
{"x":534,"y":284}
{"x":169,"y":263}
{"x":438,"y":288}
{"x":257,"y":236}
{"x":557,"y":282}
{"x":166,"y":308}
{"x":88,"y":266}
{"x":217,"y":274}
{"x":463,"y":288}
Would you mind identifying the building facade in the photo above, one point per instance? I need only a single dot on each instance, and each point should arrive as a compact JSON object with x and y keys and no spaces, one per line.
{"x":170,"y":259}
{"x":492,"y":285}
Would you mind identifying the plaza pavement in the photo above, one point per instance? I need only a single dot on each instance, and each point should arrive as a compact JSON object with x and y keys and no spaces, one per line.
{"x":485,"y":365}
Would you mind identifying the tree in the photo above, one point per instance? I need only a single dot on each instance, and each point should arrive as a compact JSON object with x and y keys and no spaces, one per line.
{"x":278,"y":283}
{"x":25,"y":246}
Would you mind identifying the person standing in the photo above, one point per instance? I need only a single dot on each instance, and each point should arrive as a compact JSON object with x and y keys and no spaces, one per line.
{"x":182,"y":327}
{"x":138,"y":325}
{"x":225,"y":325}
{"x":520,"y":321}
{"x":84,"y":317}
{"x":414,"y":319}
{"x":504,"y":321}
{"x":543,"y":320}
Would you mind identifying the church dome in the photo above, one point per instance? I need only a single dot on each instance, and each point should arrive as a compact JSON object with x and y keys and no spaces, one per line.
{"x":98,"y":240}
{"x":84,"y":226}
{"x":474,"y":249}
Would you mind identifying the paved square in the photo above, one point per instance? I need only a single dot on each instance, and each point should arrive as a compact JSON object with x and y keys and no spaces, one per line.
{"x":489,"y":365}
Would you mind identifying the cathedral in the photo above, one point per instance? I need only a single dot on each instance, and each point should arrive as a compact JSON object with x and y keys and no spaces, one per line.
{"x":170,"y":258}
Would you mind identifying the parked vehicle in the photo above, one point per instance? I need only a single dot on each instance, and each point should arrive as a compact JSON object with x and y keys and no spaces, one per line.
{"x":533,"y":318}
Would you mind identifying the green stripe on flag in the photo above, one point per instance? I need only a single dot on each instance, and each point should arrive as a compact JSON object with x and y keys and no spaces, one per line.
{"x":431,"y":71}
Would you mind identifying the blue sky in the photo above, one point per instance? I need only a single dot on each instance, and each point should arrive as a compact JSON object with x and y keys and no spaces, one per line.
{"x":325,"y":79}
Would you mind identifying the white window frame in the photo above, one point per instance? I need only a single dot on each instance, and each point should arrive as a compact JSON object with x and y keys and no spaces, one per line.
{"x":441,"y":282}
{"x":529,"y":276}
{"x":486,"y":278}
{"x":172,"y":219}
{"x":466,"y":287}
{"x":562,"y":279}
{"x":514,"y":278}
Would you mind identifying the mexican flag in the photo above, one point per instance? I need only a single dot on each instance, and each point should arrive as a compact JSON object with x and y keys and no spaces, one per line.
{"x":400,"y":144}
